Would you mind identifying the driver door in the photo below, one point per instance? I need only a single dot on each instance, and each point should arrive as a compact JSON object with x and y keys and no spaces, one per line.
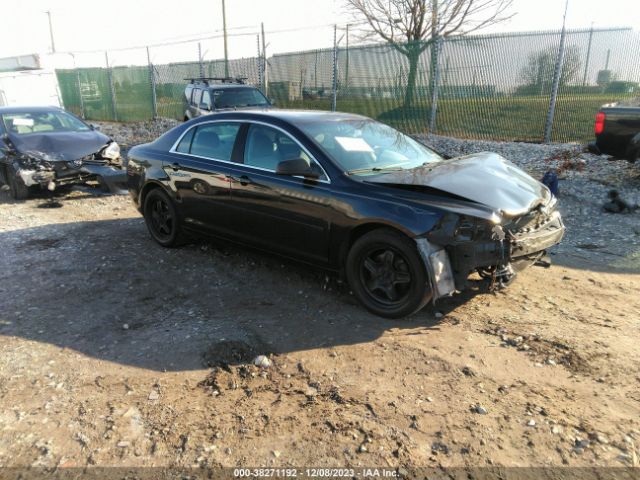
{"x":289,"y":215}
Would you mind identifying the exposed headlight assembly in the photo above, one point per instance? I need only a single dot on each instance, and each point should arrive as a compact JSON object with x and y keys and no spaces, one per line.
{"x":111,"y":151}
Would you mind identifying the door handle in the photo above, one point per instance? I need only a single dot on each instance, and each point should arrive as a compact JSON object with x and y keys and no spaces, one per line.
{"x":175,"y":166}
{"x":242,"y":180}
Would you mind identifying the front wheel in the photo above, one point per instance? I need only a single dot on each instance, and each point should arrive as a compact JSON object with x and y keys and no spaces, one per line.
{"x":387,"y":274}
{"x":17,"y":187}
{"x":162,"y":219}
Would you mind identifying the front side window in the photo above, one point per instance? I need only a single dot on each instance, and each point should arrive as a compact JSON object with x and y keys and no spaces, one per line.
{"x":206,"y":98}
{"x":266,"y":147}
{"x":211,"y":140}
{"x":40,"y":122}
{"x":197,"y":95}
{"x":365,"y":147}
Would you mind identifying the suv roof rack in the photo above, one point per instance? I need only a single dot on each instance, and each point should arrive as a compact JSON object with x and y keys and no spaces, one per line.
{"x":238,"y":80}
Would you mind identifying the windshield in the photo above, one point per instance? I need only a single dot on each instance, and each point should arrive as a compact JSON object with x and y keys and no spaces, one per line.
{"x":365,"y":147}
{"x":239,"y":97}
{"x":40,"y":122}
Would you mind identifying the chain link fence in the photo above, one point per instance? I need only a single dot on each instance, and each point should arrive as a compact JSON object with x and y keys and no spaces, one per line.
{"x":496,"y":87}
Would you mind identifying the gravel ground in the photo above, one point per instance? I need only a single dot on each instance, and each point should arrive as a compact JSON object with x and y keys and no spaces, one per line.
{"x":116,"y":352}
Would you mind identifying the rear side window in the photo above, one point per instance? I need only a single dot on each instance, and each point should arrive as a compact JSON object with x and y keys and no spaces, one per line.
{"x":212,"y":140}
{"x":185,"y":144}
{"x":187,"y":93}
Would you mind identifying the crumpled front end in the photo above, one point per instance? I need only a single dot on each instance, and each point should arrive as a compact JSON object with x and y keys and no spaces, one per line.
{"x":51,"y":171}
{"x":461,"y":245}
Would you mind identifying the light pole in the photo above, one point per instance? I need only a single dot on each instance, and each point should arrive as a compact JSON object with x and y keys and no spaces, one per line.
{"x":224,"y":28}
{"x":53,"y":45}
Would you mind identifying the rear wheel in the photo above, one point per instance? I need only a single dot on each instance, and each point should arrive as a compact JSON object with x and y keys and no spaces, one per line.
{"x":162,"y":219}
{"x":19,"y":191}
{"x":387,"y":274}
{"x":633,"y":153}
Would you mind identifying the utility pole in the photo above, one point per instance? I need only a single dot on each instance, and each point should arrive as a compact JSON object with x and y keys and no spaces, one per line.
{"x":224,"y":28}
{"x":53,"y":45}
{"x":260,"y":63}
{"x":556,"y":78}
{"x":586,"y":63}
{"x":265,"y":64}
{"x":200,"y":63}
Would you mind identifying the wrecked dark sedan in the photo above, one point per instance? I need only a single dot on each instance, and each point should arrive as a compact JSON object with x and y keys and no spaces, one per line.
{"x":47,"y":147}
{"x":349,"y":194}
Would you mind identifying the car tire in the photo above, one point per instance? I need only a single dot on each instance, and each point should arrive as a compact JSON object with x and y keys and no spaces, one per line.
{"x":633,"y":153}
{"x":162,"y":219}
{"x":387,"y":275}
{"x":19,"y":191}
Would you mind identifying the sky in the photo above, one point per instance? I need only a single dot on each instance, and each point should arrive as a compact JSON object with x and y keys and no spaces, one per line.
{"x":290,"y":25}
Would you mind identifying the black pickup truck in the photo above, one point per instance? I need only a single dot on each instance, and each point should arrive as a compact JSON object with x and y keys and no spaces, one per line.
{"x":617,"y":130}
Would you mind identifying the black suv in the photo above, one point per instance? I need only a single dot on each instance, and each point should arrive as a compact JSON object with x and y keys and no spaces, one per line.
{"x":213,"y":94}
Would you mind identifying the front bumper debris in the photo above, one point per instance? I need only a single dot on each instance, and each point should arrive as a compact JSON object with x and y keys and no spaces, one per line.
{"x":438,"y":267}
{"x":537,"y":240}
{"x":522,"y":243}
{"x":111,"y":178}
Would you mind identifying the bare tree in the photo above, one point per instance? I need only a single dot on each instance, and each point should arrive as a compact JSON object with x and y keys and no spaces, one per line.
{"x":410,"y":26}
{"x":538,"y":71}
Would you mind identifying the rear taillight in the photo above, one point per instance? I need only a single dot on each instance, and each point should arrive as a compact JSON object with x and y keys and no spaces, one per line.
{"x":599,"y":126}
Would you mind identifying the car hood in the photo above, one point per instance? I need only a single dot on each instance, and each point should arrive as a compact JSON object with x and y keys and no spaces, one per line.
{"x":485,"y":178}
{"x":63,"y":146}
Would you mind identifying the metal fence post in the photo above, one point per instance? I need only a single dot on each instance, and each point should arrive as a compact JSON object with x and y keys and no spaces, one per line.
{"x":334,"y":86}
{"x":152,"y":79}
{"x":436,"y":80}
{"x":111,"y":87}
{"x":82,"y":112}
{"x":548,"y":127}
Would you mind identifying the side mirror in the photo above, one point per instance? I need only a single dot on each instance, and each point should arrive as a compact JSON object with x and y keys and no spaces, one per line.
{"x":272,"y":102}
{"x":93,"y":126}
{"x":296,"y":167}
{"x":205,"y":106}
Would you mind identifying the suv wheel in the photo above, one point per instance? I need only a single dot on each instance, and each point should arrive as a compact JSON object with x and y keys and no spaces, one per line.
{"x":633,"y":154}
{"x":386,"y":273}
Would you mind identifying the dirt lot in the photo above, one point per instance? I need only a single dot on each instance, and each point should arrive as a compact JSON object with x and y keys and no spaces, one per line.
{"x":116,"y":352}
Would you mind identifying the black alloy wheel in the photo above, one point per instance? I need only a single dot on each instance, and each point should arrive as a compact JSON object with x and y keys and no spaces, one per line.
{"x":161,"y":218}
{"x":387,"y":274}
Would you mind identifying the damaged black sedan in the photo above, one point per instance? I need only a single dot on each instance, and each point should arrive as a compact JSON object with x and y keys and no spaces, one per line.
{"x":49,"y":148}
{"x":347,"y":193}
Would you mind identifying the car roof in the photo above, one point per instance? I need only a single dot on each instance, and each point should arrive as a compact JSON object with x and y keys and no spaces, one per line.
{"x":288,"y":115}
{"x":36,"y":109}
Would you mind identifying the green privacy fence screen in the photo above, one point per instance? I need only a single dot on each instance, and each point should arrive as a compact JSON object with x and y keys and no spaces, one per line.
{"x":494,"y":87}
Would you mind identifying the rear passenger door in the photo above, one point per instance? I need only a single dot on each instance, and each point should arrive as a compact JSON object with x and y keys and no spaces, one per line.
{"x":199,"y":174}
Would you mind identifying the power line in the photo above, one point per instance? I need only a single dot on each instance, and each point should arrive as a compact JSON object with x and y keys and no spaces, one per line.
{"x":162,"y":44}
